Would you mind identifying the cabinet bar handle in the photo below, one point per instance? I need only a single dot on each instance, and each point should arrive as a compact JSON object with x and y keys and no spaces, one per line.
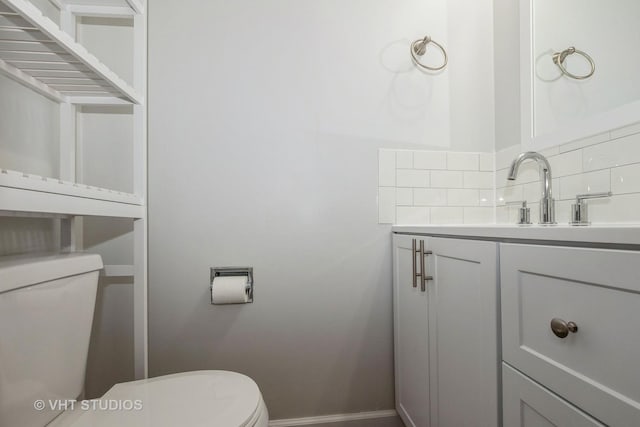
{"x":413,"y":264}
{"x":425,"y":278}
{"x":423,"y":275}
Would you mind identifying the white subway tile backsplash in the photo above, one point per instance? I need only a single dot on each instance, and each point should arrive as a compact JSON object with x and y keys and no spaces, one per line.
{"x":550,"y":151}
{"x":563,"y":211}
{"x":430,"y":160}
{"x":585,"y":142}
{"x":463,"y":161}
{"x":614,"y":153}
{"x":447,"y":179}
{"x":412,"y":178}
{"x":447,"y":215}
{"x":430,"y":197}
{"x":505,"y":215}
{"x":505,"y":157}
{"x":439,"y":187}
{"x":619,"y":208}
{"x":412,"y":215}
{"x":501,"y":178}
{"x":509,"y":195}
{"x":487,"y":162}
{"x":480,"y":215}
{"x":386,"y":205}
{"x":532,"y":192}
{"x":487,"y":197}
{"x":478,"y":179}
{"x":386,"y":168}
{"x":591,"y":182}
{"x":458,"y":197}
{"x":625,"y":179}
{"x":404,"y":196}
{"x":569,"y":163}
{"x":625,"y":131}
{"x":404,"y":159}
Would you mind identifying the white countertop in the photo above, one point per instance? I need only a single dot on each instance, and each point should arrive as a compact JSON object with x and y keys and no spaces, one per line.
{"x":614,"y":234}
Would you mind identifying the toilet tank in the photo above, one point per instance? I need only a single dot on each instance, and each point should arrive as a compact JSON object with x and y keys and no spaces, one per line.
{"x":46,"y":311}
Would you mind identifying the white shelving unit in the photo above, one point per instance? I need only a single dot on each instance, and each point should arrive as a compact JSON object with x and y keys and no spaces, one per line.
{"x":40,"y":55}
{"x":46,"y":58}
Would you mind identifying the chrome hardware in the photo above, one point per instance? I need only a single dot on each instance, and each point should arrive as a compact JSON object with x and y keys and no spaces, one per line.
{"x":559,"y":57}
{"x":561,"y":328}
{"x":579,"y":212}
{"x":419,"y":48}
{"x":413,"y":264}
{"x":547,"y":204}
{"x":424,"y":278}
{"x":524,"y":213}
{"x":415,"y":250}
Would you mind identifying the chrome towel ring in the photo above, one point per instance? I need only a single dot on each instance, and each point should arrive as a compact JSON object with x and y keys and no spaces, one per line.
{"x":418,"y":49}
{"x":559,"y":57}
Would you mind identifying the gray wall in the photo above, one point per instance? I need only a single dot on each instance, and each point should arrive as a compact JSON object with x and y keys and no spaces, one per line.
{"x":264,"y":124}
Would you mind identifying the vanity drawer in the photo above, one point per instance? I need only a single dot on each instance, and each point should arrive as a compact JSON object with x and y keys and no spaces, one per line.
{"x":527,"y":404}
{"x":597,"y":367}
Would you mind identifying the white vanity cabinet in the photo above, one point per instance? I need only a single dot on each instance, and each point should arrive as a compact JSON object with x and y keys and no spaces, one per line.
{"x":593,"y":366}
{"x":446,"y":336}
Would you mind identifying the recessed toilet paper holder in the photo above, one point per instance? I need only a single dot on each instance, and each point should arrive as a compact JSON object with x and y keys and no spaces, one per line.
{"x":233,"y":271}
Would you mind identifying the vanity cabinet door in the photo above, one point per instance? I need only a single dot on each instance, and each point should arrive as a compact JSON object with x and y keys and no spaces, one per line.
{"x":446,"y":346}
{"x":410,"y":336}
{"x":591,"y":355}
{"x":463,"y":333}
{"x":527,"y":404}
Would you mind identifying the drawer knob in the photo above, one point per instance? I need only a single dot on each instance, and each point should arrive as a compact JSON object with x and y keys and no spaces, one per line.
{"x":561,"y":328}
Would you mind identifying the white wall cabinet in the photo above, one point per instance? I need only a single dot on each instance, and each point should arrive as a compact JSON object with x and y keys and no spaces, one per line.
{"x":446,"y":346}
{"x":595,"y":366}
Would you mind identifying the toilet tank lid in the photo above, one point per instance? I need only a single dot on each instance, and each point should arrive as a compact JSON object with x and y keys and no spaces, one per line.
{"x":20,"y":271}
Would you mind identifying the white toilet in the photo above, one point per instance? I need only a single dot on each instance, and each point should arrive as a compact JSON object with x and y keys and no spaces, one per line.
{"x":46,"y":311}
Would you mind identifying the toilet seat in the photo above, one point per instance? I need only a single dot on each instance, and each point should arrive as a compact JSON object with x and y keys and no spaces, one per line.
{"x":190,"y":399}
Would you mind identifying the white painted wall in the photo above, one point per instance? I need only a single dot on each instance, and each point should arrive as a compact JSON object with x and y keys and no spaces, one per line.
{"x":265,"y":120}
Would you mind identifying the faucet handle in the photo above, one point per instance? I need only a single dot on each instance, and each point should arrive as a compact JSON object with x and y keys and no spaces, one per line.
{"x":579,"y":213}
{"x":524,"y":213}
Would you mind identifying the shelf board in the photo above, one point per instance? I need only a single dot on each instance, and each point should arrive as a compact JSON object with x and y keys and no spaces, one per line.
{"x":37,"y":53}
{"x":20,"y":192}
{"x":114,"y":8}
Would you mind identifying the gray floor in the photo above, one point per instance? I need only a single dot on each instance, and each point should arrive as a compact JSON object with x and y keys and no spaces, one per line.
{"x":378,"y":422}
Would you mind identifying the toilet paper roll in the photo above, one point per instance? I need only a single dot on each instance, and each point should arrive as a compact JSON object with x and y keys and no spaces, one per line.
{"x":229,"y":290}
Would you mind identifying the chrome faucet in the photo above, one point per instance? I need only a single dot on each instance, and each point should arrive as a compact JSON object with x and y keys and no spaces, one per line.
{"x":547,"y":204}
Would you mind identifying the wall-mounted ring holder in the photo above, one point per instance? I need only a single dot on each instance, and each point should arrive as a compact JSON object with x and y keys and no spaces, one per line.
{"x":559,"y":58}
{"x":419,"y":48}
{"x":233,"y":271}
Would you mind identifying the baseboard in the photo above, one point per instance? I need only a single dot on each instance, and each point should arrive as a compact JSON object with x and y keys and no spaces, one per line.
{"x":325,"y":419}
